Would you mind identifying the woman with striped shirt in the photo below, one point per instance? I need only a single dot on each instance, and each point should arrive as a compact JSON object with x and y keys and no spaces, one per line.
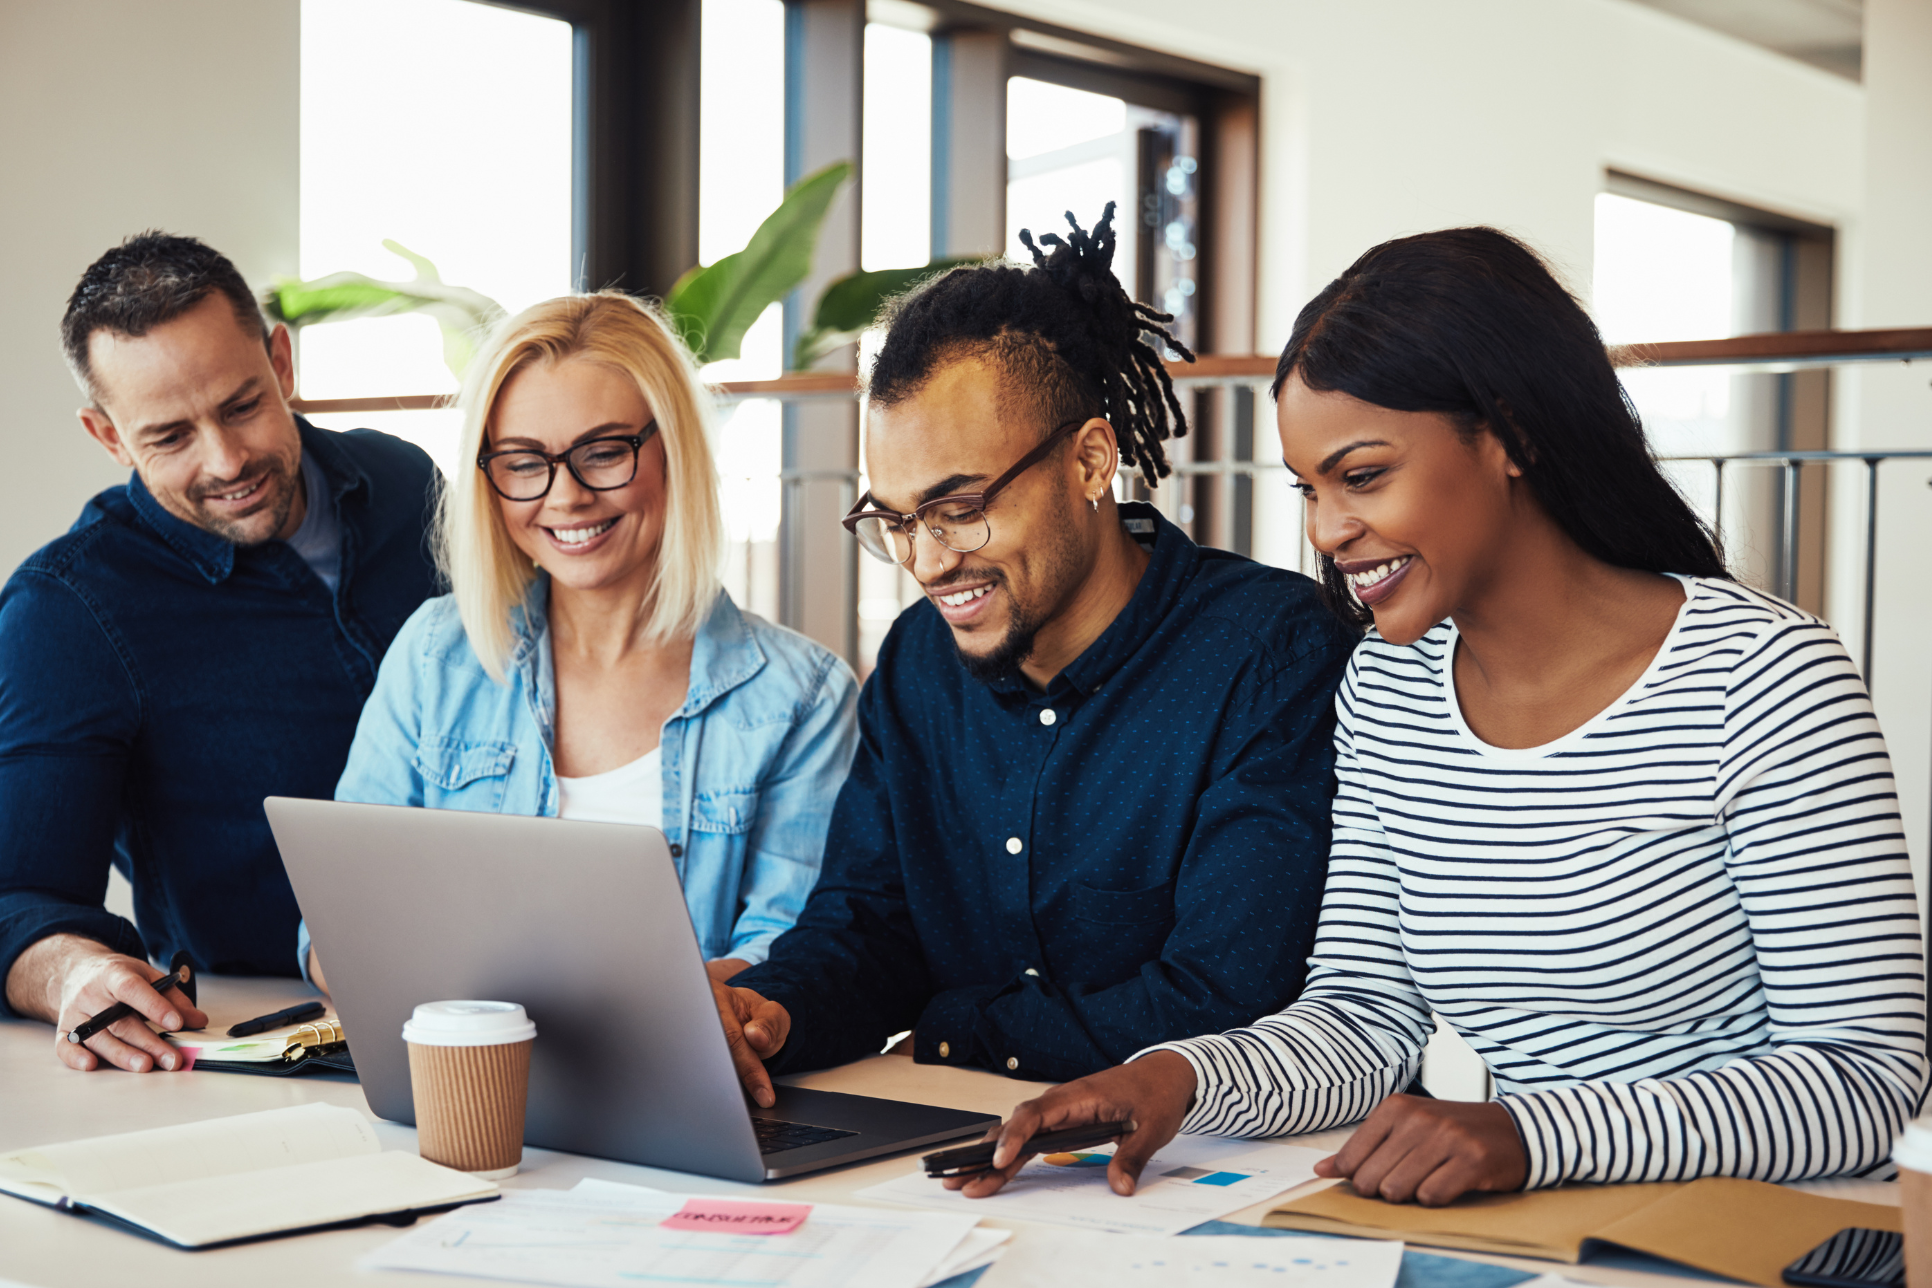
{"x":1626,"y":825}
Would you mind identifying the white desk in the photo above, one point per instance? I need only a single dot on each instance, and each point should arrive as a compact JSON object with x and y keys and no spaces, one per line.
{"x":42,"y":1102}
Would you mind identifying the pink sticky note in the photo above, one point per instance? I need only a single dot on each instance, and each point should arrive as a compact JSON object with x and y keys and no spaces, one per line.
{"x":738,"y":1216}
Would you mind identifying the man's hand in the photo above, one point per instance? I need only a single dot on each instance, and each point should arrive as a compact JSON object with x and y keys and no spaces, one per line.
{"x":723,"y":968}
{"x":1154,"y":1091}
{"x":755,"y":1028}
{"x":315,"y":973}
{"x":67,"y":978}
{"x":1431,"y":1151}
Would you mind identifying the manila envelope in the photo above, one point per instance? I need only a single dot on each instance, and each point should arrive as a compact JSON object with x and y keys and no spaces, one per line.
{"x":1746,"y":1230}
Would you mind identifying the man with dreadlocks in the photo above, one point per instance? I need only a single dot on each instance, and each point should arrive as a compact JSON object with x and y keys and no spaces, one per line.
{"x":1090,"y":808}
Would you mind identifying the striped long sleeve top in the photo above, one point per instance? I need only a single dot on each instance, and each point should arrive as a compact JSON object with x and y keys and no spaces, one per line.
{"x":1683,"y":936}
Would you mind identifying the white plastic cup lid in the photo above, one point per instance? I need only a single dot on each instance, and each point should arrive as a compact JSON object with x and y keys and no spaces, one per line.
{"x":1914,"y":1148}
{"x":462,"y":1024}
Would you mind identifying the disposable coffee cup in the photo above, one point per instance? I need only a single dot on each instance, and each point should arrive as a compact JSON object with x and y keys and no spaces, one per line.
{"x":1913,"y":1154}
{"x":469,"y":1068}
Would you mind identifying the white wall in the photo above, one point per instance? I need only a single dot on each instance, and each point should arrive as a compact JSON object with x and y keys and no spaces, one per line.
{"x":117,"y":116}
{"x":1887,"y":263}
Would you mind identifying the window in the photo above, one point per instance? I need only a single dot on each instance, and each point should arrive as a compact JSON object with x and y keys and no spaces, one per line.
{"x":1673,"y":265}
{"x":741,"y":179}
{"x":445,"y":126}
{"x":1074,"y":150}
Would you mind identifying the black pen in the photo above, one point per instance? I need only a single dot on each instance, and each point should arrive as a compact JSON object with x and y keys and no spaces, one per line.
{"x":262,"y":1023}
{"x":121,"y":1010}
{"x":974,"y":1159}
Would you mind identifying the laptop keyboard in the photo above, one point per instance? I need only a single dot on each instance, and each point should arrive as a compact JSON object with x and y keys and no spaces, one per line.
{"x":775,"y":1137}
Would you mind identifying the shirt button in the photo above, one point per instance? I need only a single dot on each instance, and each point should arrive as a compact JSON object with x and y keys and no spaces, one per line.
{"x":1032,"y":972}
{"x":1014,"y":845}
{"x":677,"y":851}
{"x":945,"y":1050}
{"x":1012,"y":1062}
{"x":1047,"y":716}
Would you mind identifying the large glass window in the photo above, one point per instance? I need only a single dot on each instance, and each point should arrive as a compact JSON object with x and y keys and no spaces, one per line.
{"x":895,"y":231}
{"x":445,"y":126}
{"x":1073,"y":150}
{"x":741,"y":169}
{"x":1664,"y":273}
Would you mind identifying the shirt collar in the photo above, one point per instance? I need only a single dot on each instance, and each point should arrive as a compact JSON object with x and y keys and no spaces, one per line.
{"x":213,"y":556}
{"x":1170,"y":566}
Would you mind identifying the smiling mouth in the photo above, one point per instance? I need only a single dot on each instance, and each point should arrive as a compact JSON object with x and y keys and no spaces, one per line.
{"x":1370,"y":578}
{"x":582,"y":535}
{"x":964,"y":596}
{"x":241,"y":493}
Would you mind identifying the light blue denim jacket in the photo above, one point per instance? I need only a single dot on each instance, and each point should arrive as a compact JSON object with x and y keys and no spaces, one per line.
{"x":752,"y":761}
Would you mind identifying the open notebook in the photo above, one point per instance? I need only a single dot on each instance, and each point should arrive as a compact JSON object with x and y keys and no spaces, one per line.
{"x":245,"y":1177}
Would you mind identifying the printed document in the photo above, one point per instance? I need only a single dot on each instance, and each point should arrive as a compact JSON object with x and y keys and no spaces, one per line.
{"x":1038,"y":1260}
{"x":1193,"y":1179}
{"x":609,"y":1236}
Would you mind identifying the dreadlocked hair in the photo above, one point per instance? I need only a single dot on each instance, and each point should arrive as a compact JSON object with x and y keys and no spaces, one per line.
{"x":1065,"y":336}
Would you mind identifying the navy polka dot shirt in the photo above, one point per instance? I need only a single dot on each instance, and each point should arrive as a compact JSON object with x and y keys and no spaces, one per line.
{"x":1043,"y":883}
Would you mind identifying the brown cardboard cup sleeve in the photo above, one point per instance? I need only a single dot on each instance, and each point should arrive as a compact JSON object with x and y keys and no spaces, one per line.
{"x":469,"y":1069}
{"x":1913,"y":1154}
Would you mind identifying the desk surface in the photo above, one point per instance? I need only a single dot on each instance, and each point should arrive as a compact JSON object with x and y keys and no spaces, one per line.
{"x":42,"y":1102}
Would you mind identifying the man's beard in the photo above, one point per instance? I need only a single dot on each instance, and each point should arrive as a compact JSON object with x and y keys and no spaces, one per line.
{"x":1059,"y":571}
{"x":276,"y":475}
{"x":1014,"y":647}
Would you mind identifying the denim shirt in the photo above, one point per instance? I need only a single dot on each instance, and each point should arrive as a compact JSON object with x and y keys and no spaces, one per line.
{"x":753,"y":760}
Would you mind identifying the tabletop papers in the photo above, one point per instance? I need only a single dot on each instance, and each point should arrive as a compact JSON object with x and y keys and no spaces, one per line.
{"x":1087,"y":1260}
{"x":1193,"y":1179}
{"x":606,"y":1235}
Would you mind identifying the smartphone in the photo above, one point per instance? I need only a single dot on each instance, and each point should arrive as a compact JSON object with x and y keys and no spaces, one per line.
{"x":1852,"y":1259}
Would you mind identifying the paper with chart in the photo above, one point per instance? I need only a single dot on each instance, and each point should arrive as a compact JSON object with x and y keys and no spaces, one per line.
{"x":1193,"y":1179}
{"x":609,"y":1236}
{"x":1213,"y":1261}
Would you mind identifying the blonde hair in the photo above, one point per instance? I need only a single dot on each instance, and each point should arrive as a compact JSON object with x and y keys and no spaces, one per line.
{"x":487,"y":573}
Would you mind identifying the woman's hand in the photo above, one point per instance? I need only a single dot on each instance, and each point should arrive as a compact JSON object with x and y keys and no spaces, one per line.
{"x":1431,"y":1151}
{"x":1154,"y":1091}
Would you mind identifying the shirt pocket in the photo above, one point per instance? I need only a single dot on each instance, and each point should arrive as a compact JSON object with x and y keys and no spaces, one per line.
{"x":726,"y":813}
{"x":1140,"y":907}
{"x":459,"y":774}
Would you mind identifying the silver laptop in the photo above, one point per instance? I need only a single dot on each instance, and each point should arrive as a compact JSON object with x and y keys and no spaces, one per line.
{"x":585,"y":925}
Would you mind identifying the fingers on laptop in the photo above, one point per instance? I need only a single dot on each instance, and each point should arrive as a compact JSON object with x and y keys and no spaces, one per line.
{"x":129,"y":1044}
{"x":754,"y":1028}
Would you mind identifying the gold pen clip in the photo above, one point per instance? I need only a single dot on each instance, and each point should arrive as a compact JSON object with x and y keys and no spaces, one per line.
{"x":320,"y":1038}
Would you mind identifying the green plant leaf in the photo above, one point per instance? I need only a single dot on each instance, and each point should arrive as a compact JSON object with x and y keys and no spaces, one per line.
{"x":462,"y":314}
{"x":713,"y":306}
{"x":852,"y":303}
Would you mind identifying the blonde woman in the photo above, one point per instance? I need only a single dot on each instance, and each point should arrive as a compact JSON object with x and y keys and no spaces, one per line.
{"x":587,"y":664}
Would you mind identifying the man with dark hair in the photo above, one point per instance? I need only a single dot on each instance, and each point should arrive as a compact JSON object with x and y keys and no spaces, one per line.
{"x":1090,"y":806}
{"x":204,"y":636}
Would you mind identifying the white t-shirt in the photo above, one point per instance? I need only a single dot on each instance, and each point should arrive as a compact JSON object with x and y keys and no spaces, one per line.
{"x":632,"y":793}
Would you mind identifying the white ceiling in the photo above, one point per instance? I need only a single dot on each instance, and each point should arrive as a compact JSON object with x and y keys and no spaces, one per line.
{"x":1824,"y":33}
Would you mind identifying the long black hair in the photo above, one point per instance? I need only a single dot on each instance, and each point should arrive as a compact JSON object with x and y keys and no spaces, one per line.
{"x":1063,"y":333}
{"x":1469,"y":322}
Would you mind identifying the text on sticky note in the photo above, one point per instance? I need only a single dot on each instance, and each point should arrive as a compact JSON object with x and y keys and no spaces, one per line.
{"x":735,"y":1216}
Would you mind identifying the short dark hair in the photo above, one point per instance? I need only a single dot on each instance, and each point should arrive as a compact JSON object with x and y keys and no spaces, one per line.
{"x":151,"y":278}
{"x":1471,"y":323}
{"x":1063,"y":333}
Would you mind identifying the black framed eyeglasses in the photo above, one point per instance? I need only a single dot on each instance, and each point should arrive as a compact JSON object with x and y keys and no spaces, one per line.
{"x":956,"y":522}
{"x":599,"y":464}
